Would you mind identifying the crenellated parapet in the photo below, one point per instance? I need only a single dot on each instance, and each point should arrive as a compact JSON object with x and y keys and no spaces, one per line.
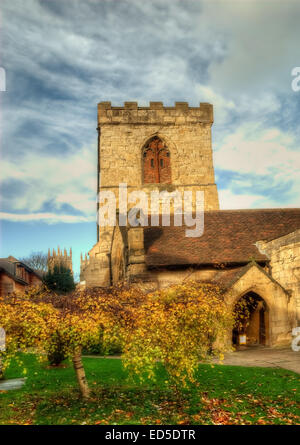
{"x":181,"y":113}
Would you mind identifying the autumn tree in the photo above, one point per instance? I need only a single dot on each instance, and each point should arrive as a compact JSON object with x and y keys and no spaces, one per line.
{"x":178,"y":327}
{"x":36,"y":318}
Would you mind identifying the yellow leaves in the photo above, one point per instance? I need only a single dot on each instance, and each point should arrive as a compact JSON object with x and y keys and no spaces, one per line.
{"x":177,"y":326}
{"x":261,"y":421}
{"x":197,"y":417}
{"x":184,"y":422}
{"x":32,"y":319}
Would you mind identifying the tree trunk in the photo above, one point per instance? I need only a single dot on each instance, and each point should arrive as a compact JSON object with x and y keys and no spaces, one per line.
{"x":1,"y":368}
{"x":80,"y":373}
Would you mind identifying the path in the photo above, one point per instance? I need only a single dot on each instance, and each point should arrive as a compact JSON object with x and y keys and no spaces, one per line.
{"x":265,"y":357}
{"x":255,"y":356}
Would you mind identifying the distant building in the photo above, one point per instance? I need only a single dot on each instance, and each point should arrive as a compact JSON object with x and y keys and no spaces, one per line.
{"x":60,"y":258}
{"x":17,"y":276}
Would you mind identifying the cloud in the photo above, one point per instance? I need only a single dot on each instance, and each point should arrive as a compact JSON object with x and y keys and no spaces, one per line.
{"x":230,"y":200}
{"x":259,"y":164}
{"x":63,"y":56}
{"x":262,"y":40}
{"x":253,"y":148}
{"x":68,"y":180}
{"x":222,"y":108}
{"x":48,"y":218}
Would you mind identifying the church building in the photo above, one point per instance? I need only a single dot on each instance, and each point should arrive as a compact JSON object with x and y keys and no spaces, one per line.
{"x":251,"y":254}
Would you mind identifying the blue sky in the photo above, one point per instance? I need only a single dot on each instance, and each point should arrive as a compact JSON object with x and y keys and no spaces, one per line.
{"x":62,"y":57}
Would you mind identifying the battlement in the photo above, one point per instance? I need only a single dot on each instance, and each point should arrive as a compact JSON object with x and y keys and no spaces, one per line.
{"x":156,"y":113}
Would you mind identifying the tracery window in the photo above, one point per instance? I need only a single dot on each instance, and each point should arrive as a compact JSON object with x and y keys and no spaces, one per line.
{"x":157,"y":164}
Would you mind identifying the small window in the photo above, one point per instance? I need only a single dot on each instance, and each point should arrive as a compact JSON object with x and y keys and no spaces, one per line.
{"x":156,"y":162}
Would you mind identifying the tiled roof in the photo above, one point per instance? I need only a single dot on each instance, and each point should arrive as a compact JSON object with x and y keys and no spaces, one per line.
{"x":9,"y":264}
{"x":229,"y":237}
{"x":9,"y":268}
{"x":225,"y":278}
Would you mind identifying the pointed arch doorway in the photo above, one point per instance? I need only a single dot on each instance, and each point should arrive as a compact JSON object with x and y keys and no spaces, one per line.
{"x":251,"y":321}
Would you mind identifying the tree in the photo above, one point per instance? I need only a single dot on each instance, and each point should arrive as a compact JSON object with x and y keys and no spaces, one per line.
{"x":59,"y":279}
{"x":33,"y":319}
{"x":2,"y":350}
{"x":37,"y":261}
{"x":178,"y":327}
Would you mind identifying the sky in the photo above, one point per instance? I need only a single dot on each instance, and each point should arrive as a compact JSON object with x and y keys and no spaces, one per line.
{"x":62,"y":57}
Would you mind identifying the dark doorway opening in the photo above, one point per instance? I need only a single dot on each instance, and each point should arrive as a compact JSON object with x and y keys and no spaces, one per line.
{"x":251,"y":321}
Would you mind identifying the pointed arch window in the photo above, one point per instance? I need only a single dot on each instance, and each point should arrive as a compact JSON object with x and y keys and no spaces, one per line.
{"x":157,"y":163}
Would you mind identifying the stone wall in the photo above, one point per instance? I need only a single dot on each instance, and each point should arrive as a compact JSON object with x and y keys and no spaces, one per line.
{"x":118,"y":256}
{"x":163,"y":278}
{"x":284,"y":254}
{"x":95,"y":269}
{"x":277,"y":299}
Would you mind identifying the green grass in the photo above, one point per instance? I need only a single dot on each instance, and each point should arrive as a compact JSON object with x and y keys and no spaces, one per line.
{"x":223,"y":395}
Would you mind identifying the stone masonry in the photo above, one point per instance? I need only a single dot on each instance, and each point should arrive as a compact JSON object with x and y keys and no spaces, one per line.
{"x":284,"y":254}
{"x":123,"y":133}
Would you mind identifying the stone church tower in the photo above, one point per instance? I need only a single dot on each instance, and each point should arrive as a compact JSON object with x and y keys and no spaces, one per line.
{"x":149,"y":148}
{"x":252,"y":254}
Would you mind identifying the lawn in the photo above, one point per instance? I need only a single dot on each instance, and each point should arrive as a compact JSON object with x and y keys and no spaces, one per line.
{"x":223,"y":395}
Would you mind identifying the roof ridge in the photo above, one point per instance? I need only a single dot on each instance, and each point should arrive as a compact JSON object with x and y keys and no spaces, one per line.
{"x":275,"y":209}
